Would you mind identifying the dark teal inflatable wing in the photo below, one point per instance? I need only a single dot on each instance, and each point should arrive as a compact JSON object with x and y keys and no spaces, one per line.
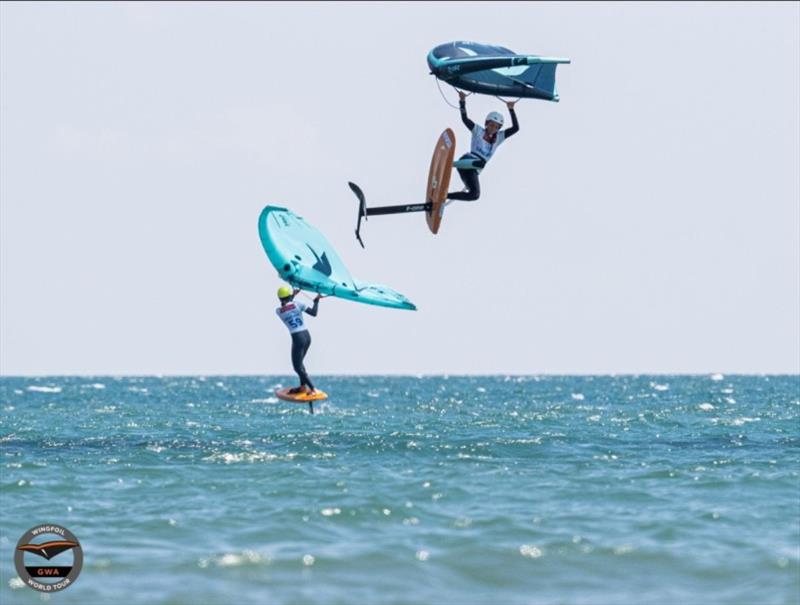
{"x":495,"y":70}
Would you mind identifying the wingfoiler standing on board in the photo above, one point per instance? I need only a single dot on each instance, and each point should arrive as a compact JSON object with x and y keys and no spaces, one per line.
{"x":291,"y":314}
{"x":304,"y":258}
{"x":481,"y":69}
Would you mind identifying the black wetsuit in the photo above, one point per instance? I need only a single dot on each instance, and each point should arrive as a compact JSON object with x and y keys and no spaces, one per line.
{"x":470,"y":175}
{"x":300,"y":343}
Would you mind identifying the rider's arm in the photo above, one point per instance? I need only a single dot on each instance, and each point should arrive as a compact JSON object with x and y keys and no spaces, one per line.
{"x":313,"y":310}
{"x":514,"y":123}
{"x":462,"y":104}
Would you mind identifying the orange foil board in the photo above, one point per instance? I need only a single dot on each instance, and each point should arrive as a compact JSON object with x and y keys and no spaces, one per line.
{"x":301,"y":397}
{"x":439,"y":178}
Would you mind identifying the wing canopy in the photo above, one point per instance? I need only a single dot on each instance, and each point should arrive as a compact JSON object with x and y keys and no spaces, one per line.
{"x":304,"y":258}
{"x":495,"y":70}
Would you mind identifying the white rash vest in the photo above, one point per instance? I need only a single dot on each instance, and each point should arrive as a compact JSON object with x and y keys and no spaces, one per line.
{"x":292,"y":316}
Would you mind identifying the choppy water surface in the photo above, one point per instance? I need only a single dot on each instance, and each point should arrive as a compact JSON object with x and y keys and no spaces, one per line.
{"x":599,"y":490}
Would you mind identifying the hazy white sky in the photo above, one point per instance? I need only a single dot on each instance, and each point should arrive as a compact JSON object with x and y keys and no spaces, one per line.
{"x":650,"y":222}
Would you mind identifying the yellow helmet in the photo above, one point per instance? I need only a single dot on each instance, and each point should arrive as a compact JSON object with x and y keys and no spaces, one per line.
{"x":284,"y":292}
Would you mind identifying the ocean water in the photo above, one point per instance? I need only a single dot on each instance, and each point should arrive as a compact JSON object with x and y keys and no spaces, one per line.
{"x":585,"y":490}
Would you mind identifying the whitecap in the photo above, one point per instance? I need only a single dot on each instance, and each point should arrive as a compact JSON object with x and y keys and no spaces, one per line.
{"x":16,"y":583}
{"x":706,"y":407}
{"x":235,"y":559}
{"x":530,"y":551}
{"x":717,"y":377}
{"x":249,"y":457}
{"x":45,"y":389}
{"x":744,"y":420}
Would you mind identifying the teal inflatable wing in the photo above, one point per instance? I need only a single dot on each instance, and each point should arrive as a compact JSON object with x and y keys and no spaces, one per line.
{"x":304,"y":258}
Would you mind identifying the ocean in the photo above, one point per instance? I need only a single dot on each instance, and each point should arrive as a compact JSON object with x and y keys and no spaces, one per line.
{"x":485,"y":489}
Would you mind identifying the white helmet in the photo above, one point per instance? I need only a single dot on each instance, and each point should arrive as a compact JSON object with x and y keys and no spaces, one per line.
{"x":495,"y":116}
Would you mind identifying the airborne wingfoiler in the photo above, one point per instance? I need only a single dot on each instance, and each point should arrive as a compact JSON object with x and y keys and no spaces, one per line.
{"x":479,"y":69}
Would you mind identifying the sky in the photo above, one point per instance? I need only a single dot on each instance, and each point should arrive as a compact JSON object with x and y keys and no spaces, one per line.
{"x":649,"y":222}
